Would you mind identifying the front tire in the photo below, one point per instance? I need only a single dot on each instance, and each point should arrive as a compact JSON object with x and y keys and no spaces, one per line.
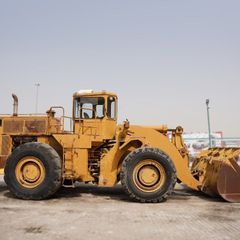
{"x":148,"y":175}
{"x":33,"y":171}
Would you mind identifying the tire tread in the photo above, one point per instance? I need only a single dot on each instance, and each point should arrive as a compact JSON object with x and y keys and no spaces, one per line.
{"x":56,"y":170}
{"x":123,"y":175}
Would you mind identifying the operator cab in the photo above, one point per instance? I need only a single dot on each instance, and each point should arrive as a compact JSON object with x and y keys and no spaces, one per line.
{"x":95,"y":114}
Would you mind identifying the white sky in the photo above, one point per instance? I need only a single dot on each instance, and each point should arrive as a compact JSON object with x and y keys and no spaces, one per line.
{"x":163,"y":58}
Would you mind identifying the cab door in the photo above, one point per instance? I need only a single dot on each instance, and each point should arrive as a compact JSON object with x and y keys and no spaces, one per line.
{"x":93,"y":117}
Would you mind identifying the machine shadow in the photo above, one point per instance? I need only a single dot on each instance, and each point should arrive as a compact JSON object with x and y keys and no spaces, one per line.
{"x":114,"y":193}
{"x":185,"y":193}
{"x":3,"y":188}
{"x":117,"y":193}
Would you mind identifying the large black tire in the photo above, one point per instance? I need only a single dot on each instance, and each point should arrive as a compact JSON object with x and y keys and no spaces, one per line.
{"x":48,"y":174}
{"x":162,"y":174}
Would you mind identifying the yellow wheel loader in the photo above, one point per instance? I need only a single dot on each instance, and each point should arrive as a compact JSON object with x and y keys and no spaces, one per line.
{"x":39,"y":154}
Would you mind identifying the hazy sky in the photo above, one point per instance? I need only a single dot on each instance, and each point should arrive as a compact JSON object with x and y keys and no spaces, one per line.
{"x":163,"y":58}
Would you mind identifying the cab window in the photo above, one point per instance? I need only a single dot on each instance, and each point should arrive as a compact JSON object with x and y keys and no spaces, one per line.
{"x":89,"y":107}
{"x":111,"y":107}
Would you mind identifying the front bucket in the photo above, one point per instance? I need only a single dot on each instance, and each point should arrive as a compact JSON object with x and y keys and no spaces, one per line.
{"x":218,"y":172}
{"x":228,"y":184}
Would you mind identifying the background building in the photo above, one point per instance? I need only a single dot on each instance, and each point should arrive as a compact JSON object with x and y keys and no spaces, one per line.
{"x":198,"y":141}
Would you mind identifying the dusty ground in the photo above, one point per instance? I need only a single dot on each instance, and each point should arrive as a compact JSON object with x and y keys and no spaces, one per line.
{"x":88,"y":212}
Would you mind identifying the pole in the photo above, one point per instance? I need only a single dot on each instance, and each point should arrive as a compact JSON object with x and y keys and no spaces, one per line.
{"x":36,"y":107}
{"x":209,"y":127}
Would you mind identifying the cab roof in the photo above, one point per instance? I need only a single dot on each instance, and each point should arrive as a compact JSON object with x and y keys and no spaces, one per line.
{"x":93,"y":93}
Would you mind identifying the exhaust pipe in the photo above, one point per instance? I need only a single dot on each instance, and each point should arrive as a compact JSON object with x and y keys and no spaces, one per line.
{"x":15,"y":104}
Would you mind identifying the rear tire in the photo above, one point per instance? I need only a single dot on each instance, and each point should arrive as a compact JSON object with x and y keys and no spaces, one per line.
{"x":33,"y":171}
{"x":148,"y":175}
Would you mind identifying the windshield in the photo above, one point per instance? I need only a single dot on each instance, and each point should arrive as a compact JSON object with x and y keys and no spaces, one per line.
{"x":89,"y":107}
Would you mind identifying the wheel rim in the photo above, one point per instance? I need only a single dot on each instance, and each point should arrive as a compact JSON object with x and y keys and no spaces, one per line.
{"x":149,"y":175}
{"x":30,"y":172}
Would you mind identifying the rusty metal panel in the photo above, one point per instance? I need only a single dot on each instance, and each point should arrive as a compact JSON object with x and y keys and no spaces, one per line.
{"x":3,"y":160}
{"x":24,"y":126}
{"x":5,"y":149}
{"x":35,"y":126}
{"x":13,"y":125}
{"x":6,"y":145}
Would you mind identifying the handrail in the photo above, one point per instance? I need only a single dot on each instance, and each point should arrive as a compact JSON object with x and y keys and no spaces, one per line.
{"x":71,"y":123}
{"x":63,"y":114}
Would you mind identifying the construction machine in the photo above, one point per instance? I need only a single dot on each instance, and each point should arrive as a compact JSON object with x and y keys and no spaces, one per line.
{"x":39,"y":154}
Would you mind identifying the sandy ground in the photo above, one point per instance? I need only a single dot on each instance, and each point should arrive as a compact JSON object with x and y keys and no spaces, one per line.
{"x":89,"y":212}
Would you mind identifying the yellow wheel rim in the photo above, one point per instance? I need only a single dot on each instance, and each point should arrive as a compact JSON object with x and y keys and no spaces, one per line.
{"x":149,"y":175}
{"x":30,"y":172}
